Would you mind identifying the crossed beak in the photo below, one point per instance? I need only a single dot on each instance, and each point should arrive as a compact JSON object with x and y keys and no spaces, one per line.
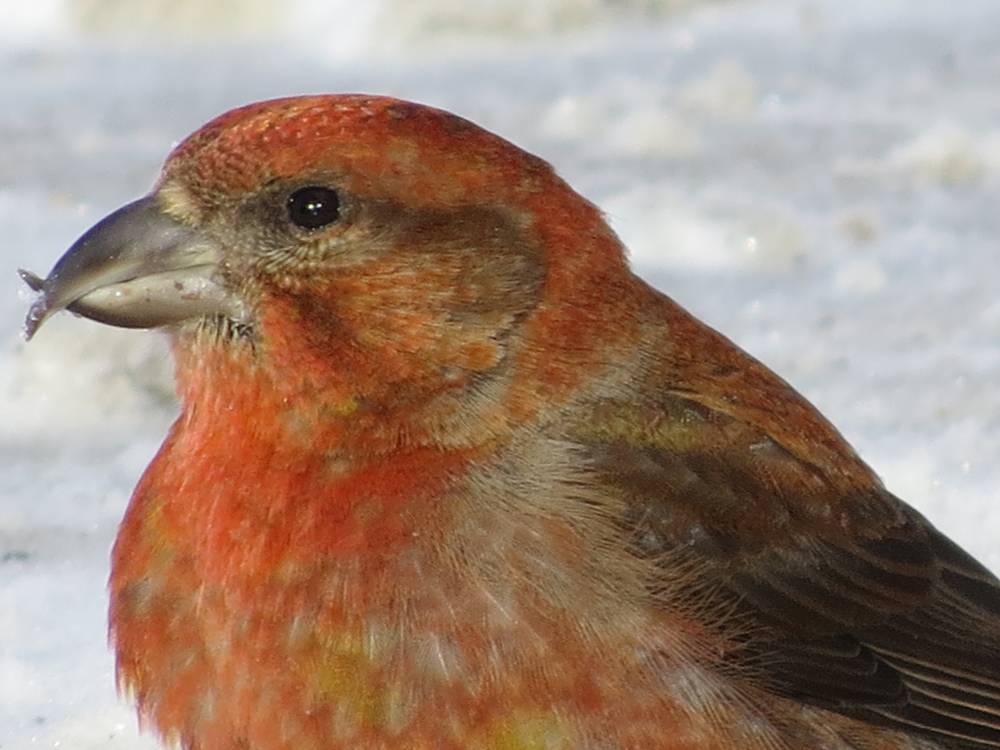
{"x":139,"y":267}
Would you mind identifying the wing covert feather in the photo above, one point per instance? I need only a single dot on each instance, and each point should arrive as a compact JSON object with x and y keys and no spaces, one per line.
{"x":847,"y":600}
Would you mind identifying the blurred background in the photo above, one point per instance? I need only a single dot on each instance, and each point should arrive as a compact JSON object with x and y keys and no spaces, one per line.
{"x":820,"y":179}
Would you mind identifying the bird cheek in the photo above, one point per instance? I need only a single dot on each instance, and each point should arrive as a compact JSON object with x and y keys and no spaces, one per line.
{"x":477,"y":356}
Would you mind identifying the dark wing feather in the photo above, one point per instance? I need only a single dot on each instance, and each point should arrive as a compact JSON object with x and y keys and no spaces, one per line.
{"x":843,"y":598}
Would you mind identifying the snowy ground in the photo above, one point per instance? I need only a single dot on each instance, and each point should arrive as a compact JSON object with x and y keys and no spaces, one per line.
{"x":818,"y":179}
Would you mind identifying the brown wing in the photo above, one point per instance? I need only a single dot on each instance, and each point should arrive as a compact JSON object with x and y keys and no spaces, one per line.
{"x":844,"y":598}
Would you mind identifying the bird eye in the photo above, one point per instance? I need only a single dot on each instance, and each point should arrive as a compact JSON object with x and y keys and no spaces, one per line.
{"x":313,"y":207}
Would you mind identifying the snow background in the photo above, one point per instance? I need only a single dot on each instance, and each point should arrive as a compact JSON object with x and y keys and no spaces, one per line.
{"x":819,"y":179}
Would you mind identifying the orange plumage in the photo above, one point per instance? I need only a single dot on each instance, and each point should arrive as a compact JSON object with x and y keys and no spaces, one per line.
{"x":447,"y":475}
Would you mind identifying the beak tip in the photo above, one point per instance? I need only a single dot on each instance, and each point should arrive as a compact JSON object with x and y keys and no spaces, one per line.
{"x":33,"y":280}
{"x":37,"y":315}
{"x":39,"y":310}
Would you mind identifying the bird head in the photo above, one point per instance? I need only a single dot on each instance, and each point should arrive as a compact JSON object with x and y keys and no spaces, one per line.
{"x":382,"y":249}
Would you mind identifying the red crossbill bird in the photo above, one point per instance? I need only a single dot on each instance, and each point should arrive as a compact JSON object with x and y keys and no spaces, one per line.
{"x":448,"y":475}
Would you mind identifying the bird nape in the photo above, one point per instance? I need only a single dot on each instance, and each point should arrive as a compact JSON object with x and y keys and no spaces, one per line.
{"x":448,"y":475}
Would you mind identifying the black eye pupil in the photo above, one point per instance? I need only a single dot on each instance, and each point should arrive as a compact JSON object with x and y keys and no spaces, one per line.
{"x":313,"y":207}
